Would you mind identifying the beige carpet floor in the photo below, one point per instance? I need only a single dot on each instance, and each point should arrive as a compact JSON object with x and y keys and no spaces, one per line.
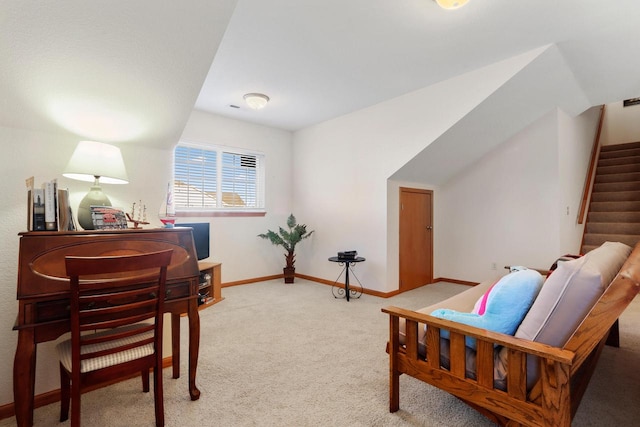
{"x":273,"y":354}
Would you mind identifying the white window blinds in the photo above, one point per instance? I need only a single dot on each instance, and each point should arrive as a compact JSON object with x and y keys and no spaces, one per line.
{"x":216,"y":178}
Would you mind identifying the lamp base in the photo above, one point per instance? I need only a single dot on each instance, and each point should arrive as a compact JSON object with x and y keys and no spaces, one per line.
{"x":95,"y":197}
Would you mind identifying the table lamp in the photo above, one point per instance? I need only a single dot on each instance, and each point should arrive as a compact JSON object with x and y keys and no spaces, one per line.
{"x":95,"y":162}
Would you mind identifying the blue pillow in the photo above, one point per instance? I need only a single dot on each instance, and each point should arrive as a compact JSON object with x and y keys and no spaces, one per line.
{"x":508,"y":302}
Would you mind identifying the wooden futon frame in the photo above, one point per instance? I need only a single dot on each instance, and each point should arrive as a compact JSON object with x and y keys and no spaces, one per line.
{"x":564,"y":372}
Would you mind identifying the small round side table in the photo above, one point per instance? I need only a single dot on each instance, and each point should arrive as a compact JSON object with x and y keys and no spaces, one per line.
{"x":347,"y":291}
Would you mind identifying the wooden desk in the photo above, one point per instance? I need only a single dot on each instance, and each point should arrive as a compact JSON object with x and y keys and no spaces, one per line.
{"x":43,"y":295}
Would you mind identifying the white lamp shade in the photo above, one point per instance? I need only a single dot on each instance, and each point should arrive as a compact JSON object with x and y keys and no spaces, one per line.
{"x":256,"y":100}
{"x":451,"y":4}
{"x":96,"y":159}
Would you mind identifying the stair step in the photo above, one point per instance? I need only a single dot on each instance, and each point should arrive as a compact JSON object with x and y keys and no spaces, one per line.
{"x":615,"y":196}
{"x":627,"y":228}
{"x":616,"y":186}
{"x":613,"y":217}
{"x":614,"y":212}
{"x":621,"y":169}
{"x":619,"y":153}
{"x":616,"y":147}
{"x":626,"y":206}
{"x":618,"y":177}
{"x":592,"y":239}
{"x":619,"y":161}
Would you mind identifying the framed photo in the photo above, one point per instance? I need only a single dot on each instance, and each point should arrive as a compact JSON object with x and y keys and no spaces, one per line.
{"x":631,"y":101}
{"x":108,"y":218}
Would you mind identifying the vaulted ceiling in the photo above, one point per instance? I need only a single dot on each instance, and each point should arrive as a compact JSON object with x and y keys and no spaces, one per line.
{"x":115,"y":71}
{"x":321,"y":59}
{"x":132,"y":71}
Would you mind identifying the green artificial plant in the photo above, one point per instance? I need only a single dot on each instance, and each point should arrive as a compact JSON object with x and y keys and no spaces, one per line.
{"x":288,"y":239}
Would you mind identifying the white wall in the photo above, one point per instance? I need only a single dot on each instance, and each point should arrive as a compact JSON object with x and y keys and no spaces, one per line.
{"x":341,"y":169}
{"x":510,"y":207}
{"x":234,"y":240}
{"x":621,"y":124}
{"x":502,"y":210}
{"x":576,"y":138}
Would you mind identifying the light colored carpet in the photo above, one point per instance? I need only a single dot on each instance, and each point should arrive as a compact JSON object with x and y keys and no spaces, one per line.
{"x":275,"y":354}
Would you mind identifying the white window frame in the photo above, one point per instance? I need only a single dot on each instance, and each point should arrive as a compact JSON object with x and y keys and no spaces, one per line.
{"x":220,"y":207}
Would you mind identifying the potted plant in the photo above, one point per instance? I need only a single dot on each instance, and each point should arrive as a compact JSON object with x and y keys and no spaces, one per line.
{"x":288,"y":240}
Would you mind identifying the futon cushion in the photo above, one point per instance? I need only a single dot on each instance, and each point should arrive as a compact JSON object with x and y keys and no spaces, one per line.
{"x":89,"y":365}
{"x":565,"y":299}
{"x":570,"y":292}
{"x":507,"y":302}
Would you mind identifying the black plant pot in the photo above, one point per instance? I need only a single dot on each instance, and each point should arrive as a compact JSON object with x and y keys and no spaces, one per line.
{"x":289,"y":274}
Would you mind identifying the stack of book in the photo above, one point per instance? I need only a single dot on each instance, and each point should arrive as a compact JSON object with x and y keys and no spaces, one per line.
{"x":48,"y":207}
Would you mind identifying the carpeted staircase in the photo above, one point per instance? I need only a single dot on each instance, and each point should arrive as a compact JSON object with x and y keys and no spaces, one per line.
{"x":614,"y":211}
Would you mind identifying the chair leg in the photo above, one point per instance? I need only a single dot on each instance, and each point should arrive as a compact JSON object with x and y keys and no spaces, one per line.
{"x":75,"y":400}
{"x":145,"y":380}
{"x":158,"y":396}
{"x":65,"y":384}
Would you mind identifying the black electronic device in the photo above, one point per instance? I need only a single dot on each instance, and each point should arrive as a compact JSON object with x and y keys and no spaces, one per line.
{"x":347,"y":255}
{"x":200,"y":231}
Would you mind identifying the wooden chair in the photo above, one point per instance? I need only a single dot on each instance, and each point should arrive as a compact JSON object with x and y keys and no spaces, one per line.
{"x":113,"y":294}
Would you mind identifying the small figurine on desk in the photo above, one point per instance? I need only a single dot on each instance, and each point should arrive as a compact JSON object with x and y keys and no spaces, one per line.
{"x":167,"y":210}
{"x":142,"y":215}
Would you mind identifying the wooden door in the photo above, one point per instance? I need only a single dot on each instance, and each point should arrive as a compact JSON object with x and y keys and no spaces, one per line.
{"x":416,"y":238}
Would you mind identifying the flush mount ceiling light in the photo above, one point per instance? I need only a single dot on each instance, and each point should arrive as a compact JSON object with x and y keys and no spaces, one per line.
{"x":451,"y":4}
{"x":256,"y":101}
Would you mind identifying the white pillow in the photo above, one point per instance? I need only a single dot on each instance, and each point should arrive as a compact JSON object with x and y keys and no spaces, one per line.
{"x":565,"y":299}
{"x":570,"y":292}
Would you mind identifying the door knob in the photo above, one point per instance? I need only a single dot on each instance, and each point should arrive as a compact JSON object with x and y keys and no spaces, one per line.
{"x":429,"y":227}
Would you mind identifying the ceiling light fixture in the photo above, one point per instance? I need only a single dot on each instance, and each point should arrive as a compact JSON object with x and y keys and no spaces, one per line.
{"x":451,"y":4}
{"x":256,"y":101}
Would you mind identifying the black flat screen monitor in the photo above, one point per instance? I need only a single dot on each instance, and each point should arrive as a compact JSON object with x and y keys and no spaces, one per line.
{"x":200,"y":237}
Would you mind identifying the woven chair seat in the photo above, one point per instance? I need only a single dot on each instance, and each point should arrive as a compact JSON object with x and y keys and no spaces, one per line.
{"x":89,"y":365}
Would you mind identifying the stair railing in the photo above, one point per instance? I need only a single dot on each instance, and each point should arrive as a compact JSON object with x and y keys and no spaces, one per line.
{"x":588,"y":184}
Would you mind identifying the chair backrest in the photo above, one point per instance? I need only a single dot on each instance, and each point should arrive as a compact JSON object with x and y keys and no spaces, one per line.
{"x":113,"y":292}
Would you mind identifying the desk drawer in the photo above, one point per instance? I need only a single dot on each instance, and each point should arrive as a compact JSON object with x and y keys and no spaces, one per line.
{"x":47,"y":311}
{"x":178,"y":290}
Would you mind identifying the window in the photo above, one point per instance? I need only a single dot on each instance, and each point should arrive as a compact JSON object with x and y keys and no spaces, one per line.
{"x":214,"y":179}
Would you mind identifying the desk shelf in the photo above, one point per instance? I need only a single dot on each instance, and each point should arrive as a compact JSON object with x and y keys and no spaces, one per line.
{"x":210,"y":283}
